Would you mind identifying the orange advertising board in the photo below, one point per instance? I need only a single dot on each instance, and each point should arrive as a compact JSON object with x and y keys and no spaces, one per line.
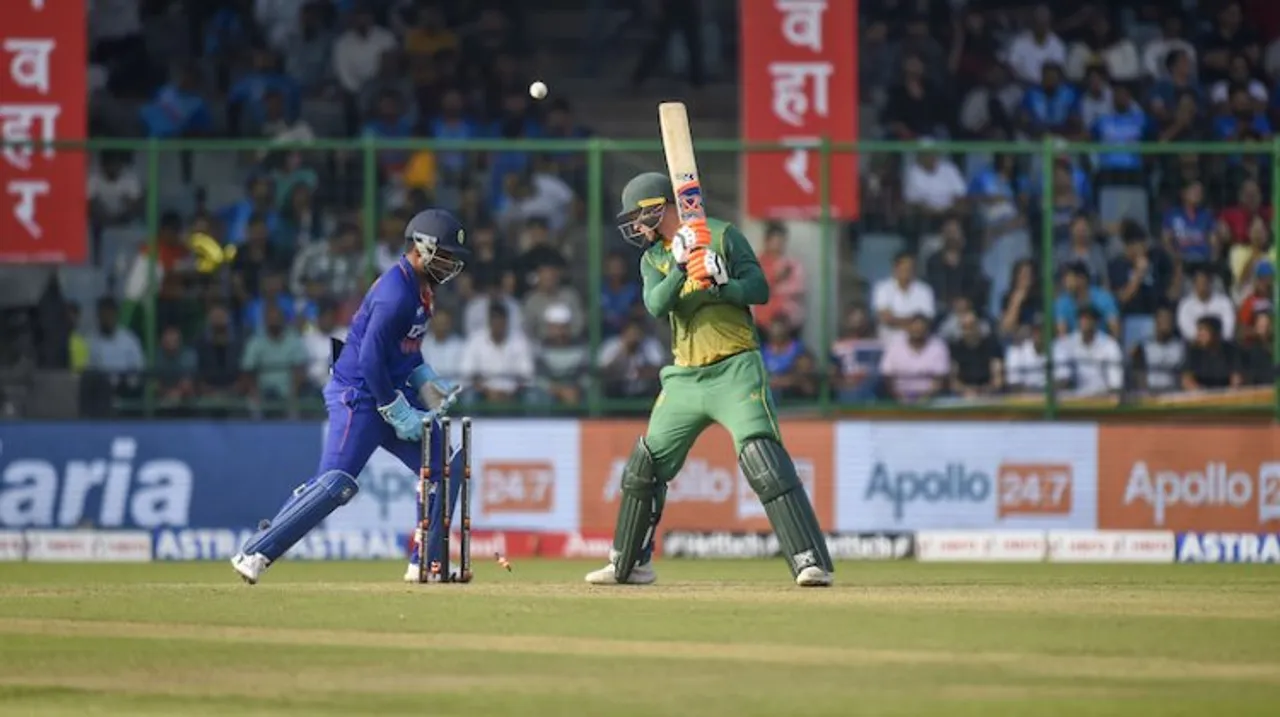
{"x":1194,"y":478}
{"x":710,"y":492}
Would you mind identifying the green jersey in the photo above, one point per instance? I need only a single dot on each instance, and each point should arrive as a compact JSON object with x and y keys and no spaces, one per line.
{"x":707,"y":325}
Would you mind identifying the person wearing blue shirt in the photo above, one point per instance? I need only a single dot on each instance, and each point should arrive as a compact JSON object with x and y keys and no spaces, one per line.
{"x":619,"y":295}
{"x":246,"y":98}
{"x":259,"y":205}
{"x":177,"y":110}
{"x":452,"y":123}
{"x":1243,"y":124}
{"x":1189,"y":227}
{"x":381,"y":394}
{"x":1078,"y":293}
{"x":1052,"y":106}
{"x":1125,"y":124}
{"x":1164,"y":96}
{"x":390,"y":121}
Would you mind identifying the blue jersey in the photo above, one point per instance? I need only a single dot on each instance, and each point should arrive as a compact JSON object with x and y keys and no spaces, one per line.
{"x":385,"y":342}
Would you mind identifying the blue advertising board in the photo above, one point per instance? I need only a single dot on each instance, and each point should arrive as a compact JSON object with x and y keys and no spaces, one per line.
{"x":178,"y":474}
{"x":1228,"y":548}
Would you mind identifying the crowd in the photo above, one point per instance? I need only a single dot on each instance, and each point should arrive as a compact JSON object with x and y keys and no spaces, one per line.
{"x":1162,"y":269}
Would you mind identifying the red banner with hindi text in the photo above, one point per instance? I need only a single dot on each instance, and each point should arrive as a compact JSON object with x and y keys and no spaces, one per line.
{"x":43,"y":97}
{"x":799,"y":84}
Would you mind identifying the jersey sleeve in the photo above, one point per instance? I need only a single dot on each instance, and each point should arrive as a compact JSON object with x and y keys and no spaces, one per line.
{"x":380,"y":336}
{"x":660,"y":291}
{"x":747,"y":285}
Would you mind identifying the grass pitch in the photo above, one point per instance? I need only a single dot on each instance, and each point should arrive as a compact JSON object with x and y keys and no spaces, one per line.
{"x":713,"y":639}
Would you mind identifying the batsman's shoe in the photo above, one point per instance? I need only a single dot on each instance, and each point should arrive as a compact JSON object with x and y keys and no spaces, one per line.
{"x":411,"y":573}
{"x":814,"y":577}
{"x":642,"y":574}
{"x":250,"y":567}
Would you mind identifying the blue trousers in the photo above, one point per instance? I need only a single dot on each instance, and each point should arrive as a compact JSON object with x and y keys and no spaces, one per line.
{"x":356,"y":429}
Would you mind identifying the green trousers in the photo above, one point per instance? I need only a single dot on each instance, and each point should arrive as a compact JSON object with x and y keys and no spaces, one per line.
{"x":733,"y":392}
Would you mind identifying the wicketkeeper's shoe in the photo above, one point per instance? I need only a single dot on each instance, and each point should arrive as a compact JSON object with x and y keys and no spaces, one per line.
{"x":250,"y":567}
{"x":642,"y":574}
{"x":814,"y":577}
{"x":411,"y":573}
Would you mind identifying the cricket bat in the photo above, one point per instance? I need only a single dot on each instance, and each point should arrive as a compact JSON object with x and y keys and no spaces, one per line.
{"x":682,"y":166}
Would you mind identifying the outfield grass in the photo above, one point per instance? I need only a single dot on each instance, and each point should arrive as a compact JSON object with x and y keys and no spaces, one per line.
{"x":714,"y":639}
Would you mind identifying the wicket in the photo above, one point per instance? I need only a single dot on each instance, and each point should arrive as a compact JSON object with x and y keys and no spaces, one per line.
{"x":428,"y":493}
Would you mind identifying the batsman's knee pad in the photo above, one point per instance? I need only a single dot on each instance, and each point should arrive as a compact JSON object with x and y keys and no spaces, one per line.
{"x":772,"y":475}
{"x":640,"y":509}
{"x":310,"y":504}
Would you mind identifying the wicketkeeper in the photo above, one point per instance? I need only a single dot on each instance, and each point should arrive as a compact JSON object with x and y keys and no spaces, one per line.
{"x":703,"y":277}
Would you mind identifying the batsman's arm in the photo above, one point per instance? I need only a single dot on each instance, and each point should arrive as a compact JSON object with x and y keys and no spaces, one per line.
{"x":379,"y":338}
{"x":661,"y":291}
{"x":747,"y":285}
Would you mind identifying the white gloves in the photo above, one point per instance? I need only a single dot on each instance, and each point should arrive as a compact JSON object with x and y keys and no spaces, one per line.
{"x":683,"y":243}
{"x":715,"y":269}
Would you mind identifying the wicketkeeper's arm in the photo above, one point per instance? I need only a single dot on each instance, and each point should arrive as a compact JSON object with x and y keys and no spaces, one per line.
{"x":661,"y":291}
{"x":747,"y":285}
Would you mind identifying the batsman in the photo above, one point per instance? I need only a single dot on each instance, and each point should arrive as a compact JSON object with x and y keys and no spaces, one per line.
{"x":703,"y":277}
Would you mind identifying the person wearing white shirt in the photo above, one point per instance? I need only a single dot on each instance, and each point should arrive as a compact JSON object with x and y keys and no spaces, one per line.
{"x":115,"y":192}
{"x":1203,"y":301}
{"x":1025,"y":363}
{"x":498,"y":362}
{"x":114,"y":349}
{"x":539,"y":195}
{"x":900,"y":297}
{"x":932,"y":184}
{"x":358,"y":52}
{"x":317,"y":339}
{"x":1154,"y":54}
{"x":1095,"y":359}
{"x":1030,"y":50}
{"x":1104,"y":48}
{"x":279,"y":19}
{"x":442,"y":348}
{"x":475,"y":316}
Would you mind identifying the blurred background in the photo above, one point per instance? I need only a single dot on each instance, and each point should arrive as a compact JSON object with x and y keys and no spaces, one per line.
{"x":1066,"y":205}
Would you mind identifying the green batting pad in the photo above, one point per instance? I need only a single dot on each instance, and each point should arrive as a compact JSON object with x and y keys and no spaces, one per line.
{"x":638,"y":511}
{"x":772,"y":476}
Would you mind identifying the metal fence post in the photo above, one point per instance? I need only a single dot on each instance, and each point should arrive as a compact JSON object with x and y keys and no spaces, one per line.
{"x":1275,"y":263}
{"x":1046,"y":275}
{"x":369,"y":177}
{"x":595,"y":270}
{"x":153,"y":257}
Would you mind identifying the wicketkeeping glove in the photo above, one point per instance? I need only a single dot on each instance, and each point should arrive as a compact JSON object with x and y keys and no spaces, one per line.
{"x":405,"y":419}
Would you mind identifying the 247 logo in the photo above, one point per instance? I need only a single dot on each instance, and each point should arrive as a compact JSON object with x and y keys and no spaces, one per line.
{"x":517,"y":487}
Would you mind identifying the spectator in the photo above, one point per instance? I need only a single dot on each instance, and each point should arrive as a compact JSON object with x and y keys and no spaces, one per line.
{"x":1072,"y":194}
{"x":620,"y":295}
{"x":229,"y":34}
{"x":536,"y":194}
{"x":1189,"y":228}
{"x":475,"y":316}
{"x":550,"y":290}
{"x":933,"y":187}
{"x":392,"y":78}
{"x":279,"y":20}
{"x":916,"y":108}
{"x":918,"y":40}
{"x":1104,"y":47}
{"x":271,"y":293}
{"x":497,"y":361}
{"x":786,"y":277}
{"x":1244,"y":121}
{"x":1260,"y":299}
{"x":303,"y":222}
{"x":1097,"y":99}
{"x":1031,"y":50}
{"x":1051,"y":106}
{"x":1026,"y":361}
{"x":357,"y":55}
{"x":1258,"y":359}
{"x":178,"y":109}
{"x":1022,"y":305}
{"x":1228,"y":37}
{"x":1082,"y":248}
{"x":274,"y":363}
{"x":1157,"y":359}
{"x":561,"y":124}
{"x":442,"y":348}
{"x":901,"y":297}
{"x":855,"y":358}
{"x":977,"y":362}
{"x":1094,"y":358}
{"x":1145,"y":279}
{"x":115,"y":192}
{"x":1239,"y":77}
{"x":260,"y":205}
{"x":562,"y":361}
{"x":247,"y":98}
{"x":536,"y":247}
{"x":1185,"y":124}
{"x":391,"y":120}
{"x":256,"y":258}
{"x":951,"y":272}
{"x":272,"y":121}
{"x":174,"y":368}
{"x":915,"y":366}
{"x":992,"y":194}
{"x":317,"y":339}
{"x":309,"y":54}
{"x":1126,"y":124}
{"x":218,"y":355}
{"x":114,"y":350}
{"x":172,"y":257}
{"x":335,"y":265}
{"x":1235,"y":220}
{"x":951,"y":328}
{"x":1211,"y":362}
{"x":1157,"y":55}
{"x":782,"y":351}
{"x":629,"y":363}
{"x":990,"y":110}
{"x":1076,"y":295}
{"x":77,"y":344}
{"x":672,"y":17}
{"x":1180,"y":80}
{"x":115,"y":30}
{"x":1206,"y":300}
{"x":488,"y":265}
{"x":974,"y":47}
{"x":428,"y":34}
{"x":453,"y":123}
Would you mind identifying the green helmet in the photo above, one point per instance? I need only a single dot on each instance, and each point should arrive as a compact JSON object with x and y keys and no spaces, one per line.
{"x":643,"y":201}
